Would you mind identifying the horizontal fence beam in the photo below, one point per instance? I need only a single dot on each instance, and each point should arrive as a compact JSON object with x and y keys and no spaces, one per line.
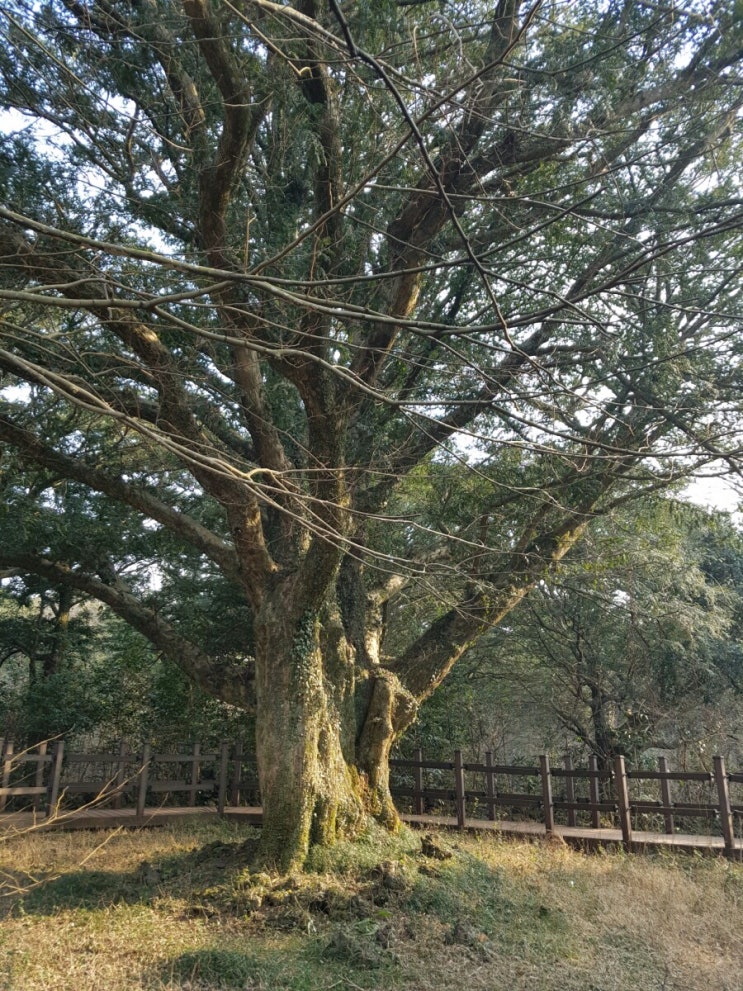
{"x":475,"y":790}
{"x":610,"y":794}
{"x":608,"y":807}
{"x":701,"y":811}
{"x":704,"y":776}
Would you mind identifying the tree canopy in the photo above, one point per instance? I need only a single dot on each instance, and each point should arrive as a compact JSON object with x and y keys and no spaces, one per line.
{"x":631,"y":646}
{"x":307,"y":302}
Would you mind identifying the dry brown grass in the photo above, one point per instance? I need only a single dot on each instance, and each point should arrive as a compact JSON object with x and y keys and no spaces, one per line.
{"x":166,"y":909}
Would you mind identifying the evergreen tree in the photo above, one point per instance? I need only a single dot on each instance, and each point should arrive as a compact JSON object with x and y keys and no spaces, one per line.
{"x":632,"y":645}
{"x":267,"y":268}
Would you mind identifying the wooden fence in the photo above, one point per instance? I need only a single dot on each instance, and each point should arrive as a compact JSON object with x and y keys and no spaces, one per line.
{"x":50,"y":778}
{"x":478,"y":791}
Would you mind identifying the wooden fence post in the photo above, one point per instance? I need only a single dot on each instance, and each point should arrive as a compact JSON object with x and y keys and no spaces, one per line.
{"x":237,"y":770}
{"x":459,"y":789}
{"x":726,"y":813}
{"x":418,"y":783}
{"x":549,"y":809}
{"x":593,"y":790}
{"x":55,"y":781}
{"x":622,"y":793}
{"x":143,"y":780}
{"x":224,"y":760}
{"x":195,"y":758}
{"x":490,"y":784}
{"x":7,"y":768}
{"x":665,"y":794}
{"x":39,"y":776}
{"x":570,"y":789}
{"x":119,"y":777}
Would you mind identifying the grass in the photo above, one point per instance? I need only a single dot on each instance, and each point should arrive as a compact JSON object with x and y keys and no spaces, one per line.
{"x":164,"y":909}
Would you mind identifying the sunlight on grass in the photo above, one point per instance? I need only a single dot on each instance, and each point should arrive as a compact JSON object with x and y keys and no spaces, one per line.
{"x":164,"y":909}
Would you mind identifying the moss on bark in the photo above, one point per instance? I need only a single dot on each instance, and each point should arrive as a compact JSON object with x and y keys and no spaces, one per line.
{"x":309,"y":792}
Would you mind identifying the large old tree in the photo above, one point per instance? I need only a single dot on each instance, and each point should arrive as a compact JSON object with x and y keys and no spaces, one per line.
{"x":321,"y":300}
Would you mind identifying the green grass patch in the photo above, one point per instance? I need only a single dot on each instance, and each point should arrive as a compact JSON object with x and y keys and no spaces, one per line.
{"x":215,"y":967}
{"x":371,"y":848}
{"x":501,"y":913}
{"x":182,"y":909}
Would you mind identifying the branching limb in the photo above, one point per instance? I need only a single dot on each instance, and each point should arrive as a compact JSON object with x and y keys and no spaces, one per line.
{"x":229,"y":682}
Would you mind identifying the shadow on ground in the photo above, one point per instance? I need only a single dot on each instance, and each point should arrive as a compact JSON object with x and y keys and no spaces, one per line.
{"x":175,"y":875}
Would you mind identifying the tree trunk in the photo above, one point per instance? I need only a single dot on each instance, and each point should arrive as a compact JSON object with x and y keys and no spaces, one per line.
{"x":390,"y":711}
{"x":59,"y":632}
{"x":604,"y":737}
{"x":328,"y":712}
{"x":323,"y":765}
{"x":311,"y":792}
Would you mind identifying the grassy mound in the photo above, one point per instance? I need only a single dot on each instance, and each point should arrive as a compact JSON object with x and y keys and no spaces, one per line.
{"x":161,"y":910}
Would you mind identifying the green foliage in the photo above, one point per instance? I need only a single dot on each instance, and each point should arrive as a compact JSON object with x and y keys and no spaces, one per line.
{"x":631,"y":645}
{"x":109,"y":686}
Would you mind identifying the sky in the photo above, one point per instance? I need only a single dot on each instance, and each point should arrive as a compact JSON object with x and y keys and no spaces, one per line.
{"x":715,"y":493}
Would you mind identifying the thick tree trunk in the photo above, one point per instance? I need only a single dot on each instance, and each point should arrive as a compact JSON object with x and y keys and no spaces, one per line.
{"x":311,"y":792}
{"x":323,"y":761}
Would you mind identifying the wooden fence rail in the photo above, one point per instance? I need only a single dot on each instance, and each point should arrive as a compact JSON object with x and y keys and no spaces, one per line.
{"x":611,"y":794}
{"x":62,"y":778}
{"x":52,"y":778}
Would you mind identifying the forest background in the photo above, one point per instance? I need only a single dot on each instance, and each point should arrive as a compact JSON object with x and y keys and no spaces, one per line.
{"x":632,"y":647}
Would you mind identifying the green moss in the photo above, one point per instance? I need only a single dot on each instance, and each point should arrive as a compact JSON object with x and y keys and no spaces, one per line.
{"x":304,"y":643}
{"x":372,"y":846}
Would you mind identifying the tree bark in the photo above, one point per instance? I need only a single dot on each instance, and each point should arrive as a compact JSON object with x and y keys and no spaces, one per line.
{"x":311,"y":791}
{"x":390,"y":711}
{"x":54,"y":655}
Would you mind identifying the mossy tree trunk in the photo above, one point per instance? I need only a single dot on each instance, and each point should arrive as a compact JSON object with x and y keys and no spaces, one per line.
{"x":329,"y":710}
{"x":304,"y":684}
{"x":325,"y":726}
